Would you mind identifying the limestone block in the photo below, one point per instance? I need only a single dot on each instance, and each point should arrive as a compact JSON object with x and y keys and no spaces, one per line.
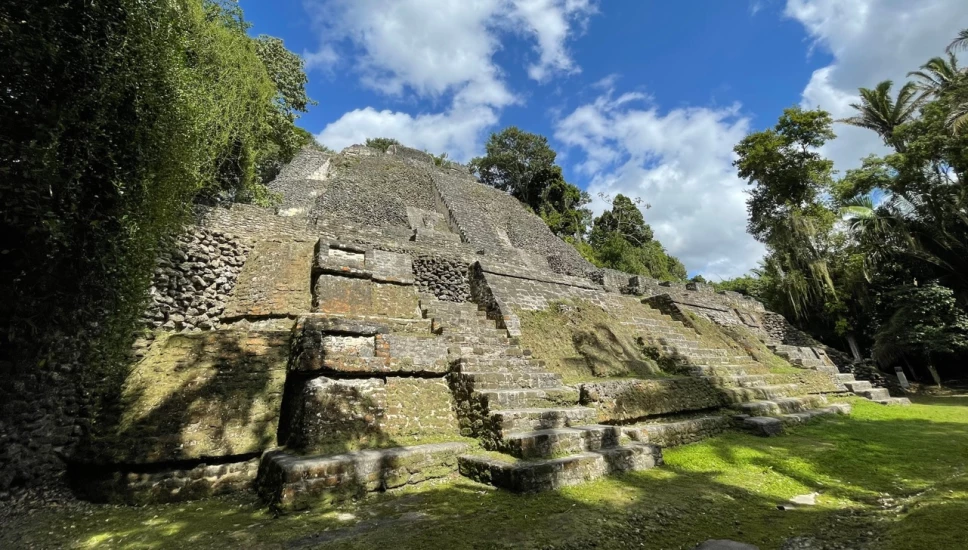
{"x":275,"y":281}
{"x":343,"y":295}
{"x":196,"y":395}
{"x":390,"y":267}
{"x":765,"y":426}
{"x":353,"y":346}
{"x":336,"y":415}
{"x":289,"y":482}
{"x":632,"y":399}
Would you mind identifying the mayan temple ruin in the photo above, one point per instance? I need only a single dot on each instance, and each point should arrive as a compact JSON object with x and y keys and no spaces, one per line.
{"x":395,"y":322}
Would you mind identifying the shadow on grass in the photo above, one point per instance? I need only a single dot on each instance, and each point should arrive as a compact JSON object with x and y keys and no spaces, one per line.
{"x":725,"y":487}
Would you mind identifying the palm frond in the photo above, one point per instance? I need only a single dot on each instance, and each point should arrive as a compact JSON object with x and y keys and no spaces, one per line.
{"x":959,"y":43}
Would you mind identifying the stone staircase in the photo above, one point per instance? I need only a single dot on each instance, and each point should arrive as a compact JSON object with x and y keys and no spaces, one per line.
{"x":748,"y":385}
{"x":516,"y":407}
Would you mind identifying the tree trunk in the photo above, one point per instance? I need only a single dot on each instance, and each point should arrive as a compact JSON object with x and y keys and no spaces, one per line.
{"x":911,"y":370}
{"x":934,"y":374}
{"x":854,"y":348}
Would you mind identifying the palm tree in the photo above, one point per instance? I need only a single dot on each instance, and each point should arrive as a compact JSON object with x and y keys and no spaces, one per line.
{"x":936,"y":75}
{"x":959,"y":43}
{"x":878,"y":112}
{"x":958,"y":119}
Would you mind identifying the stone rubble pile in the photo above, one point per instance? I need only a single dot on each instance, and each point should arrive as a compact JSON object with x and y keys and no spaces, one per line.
{"x":193,"y":280}
{"x":445,"y":278}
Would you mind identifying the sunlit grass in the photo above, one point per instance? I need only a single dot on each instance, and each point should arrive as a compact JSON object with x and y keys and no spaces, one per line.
{"x":887,"y":478}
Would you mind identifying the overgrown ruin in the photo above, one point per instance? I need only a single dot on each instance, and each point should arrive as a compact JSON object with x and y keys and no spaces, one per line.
{"x":395,"y":322}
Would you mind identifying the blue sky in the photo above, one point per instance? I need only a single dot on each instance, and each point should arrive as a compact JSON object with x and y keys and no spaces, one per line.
{"x":645,"y":98}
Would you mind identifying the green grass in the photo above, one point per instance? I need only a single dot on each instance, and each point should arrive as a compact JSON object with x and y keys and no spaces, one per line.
{"x":889,"y":478}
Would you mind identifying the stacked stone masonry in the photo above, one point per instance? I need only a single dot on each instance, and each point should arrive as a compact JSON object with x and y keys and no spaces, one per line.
{"x":365,"y":336}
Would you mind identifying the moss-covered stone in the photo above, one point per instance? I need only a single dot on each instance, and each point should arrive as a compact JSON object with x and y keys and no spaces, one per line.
{"x":275,"y":281}
{"x":622,"y":400}
{"x":347,"y":295}
{"x":338,"y":415}
{"x":581,"y":341}
{"x":196,"y":395}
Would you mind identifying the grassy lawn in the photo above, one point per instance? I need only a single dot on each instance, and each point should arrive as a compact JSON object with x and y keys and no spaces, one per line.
{"x":887,"y":478}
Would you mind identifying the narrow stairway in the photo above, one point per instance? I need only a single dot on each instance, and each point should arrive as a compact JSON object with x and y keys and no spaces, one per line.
{"x":516,"y":407}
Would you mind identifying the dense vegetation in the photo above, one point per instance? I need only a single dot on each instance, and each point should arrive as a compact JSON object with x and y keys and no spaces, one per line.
{"x":523,"y":164}
{"x":877,"y":258}
{"x":116,"y":116}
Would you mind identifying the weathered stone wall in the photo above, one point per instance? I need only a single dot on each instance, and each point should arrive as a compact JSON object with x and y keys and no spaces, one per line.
{"x":274,"y":282}
{"x":627,"y":400}
{"x":341,"y":345}
{"x":301,"y":181}
{"x":42,"y":416}
{"x":335,"y":415}
{"x":445,"y":278}
{"x":344,"y":295}
{"x":375,"y":191}
{"x":194,"y":279}
{"x":136,"y":488}
{"x":252,"y":223}
{"x":195,"y":396}
{"x":496,"y":223}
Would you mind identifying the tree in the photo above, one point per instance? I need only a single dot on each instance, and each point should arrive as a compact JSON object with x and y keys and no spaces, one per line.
{"x":626,"y":219}
{"x":959,"y":43}
{"x":878,"y":112}
{"x":620,"y":239}
{"x":936,"y":76}
{"x":523,"y":164}
{"x":926,"y":321}
{"x":518,"y":162}
{"x":381,"y":143}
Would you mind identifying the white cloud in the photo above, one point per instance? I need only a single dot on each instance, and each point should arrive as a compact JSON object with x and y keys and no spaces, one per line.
{"x":456,"y":131}
{"x":871,"y":41}
{"x":442,"y":51}
{"x":680,"y":162}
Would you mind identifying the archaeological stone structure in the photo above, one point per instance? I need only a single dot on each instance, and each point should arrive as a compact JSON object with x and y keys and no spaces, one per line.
{"x":371,"y":333}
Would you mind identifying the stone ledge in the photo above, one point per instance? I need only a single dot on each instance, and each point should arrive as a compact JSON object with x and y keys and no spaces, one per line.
{"x":290,"y":482}
{"x":159,"y":487}
{"x":622,"y":400}
{"x":683,"y":432}
{"x":547,"y":475}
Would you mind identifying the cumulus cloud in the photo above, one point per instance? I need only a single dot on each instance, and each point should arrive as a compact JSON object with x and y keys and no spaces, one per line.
{"x":442,"y":51}
{"x":456,"y":131}
{"x":871,"y":41}
{"x":680,"y":162}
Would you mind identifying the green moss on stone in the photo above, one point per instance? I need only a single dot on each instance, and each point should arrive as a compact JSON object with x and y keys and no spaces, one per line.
{"x":582,"y":342}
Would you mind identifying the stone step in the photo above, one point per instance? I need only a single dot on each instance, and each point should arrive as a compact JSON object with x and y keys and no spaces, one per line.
{"x":845,"y":377}
{"x":767,"y":426}
{"x":530,"y":399}
{"x":498,"y":364}
{"x":784,"y":405}
{"x":760,"y":393}
{"x":551,"y":474}
{"x":734,"y":381}
{"x":682,"y":432}
{"x":558,"y":442}
{"x":858,"y":385}
{"x":729,"y":370}
{"x":498,"y":380}
{"x":287,"y":481}
{"x":509,"y":421}
{"x":875,"y":394}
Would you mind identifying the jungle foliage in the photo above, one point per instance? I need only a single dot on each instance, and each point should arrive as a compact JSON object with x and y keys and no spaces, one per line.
{"x":523,"y":165}
{"x":116,"y":117}
{"x":878,"y":256}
